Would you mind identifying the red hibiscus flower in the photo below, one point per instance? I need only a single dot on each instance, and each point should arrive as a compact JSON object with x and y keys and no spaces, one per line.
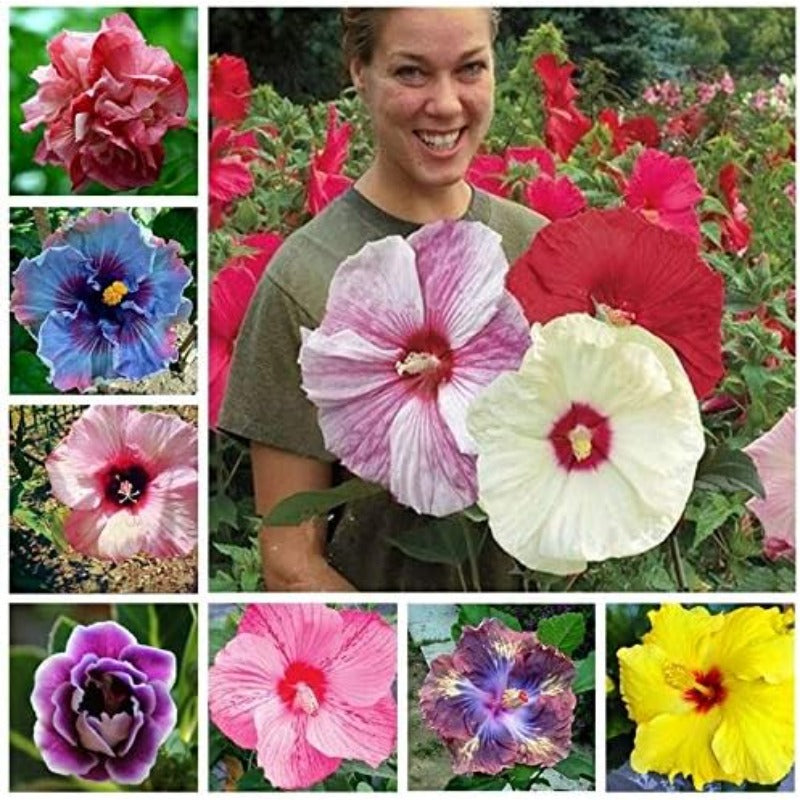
{"x":642,"y":129}
{"x":665,"y":191}
{"x":107,"y":99}
{"x":231,"y":292}
{"x":230,"y":154}
{"x":735,"y":228}
{"x":565,"y":125}
{"x":614,"y":263}
{"x":688,"y":123}
{"x":325,"y":181}
{"x":490,"y":172}
{"x":229,"y":90}
{"x":554,"y":198}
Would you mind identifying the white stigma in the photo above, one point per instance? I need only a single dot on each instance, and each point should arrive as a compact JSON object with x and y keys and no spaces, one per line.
{"x":305,"y":699}
{"x":417,"y":363}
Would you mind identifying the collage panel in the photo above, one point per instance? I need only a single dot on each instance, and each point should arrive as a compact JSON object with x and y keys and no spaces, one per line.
{"x":103,"y":697}
{"x":700,"y":697}
{"x":590,"y":388}
{"x":103,"y":499}
{"x":103,"y":301}
{"x":303,"y":696}
{"x":103,"y":100}
{"x":501,"y":697}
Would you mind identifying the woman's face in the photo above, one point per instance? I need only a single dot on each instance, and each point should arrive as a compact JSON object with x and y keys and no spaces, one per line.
{"x":430,"y":92}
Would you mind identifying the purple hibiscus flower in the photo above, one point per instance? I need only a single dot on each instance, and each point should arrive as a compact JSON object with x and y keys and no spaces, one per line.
{"x":501,"y":698}
{"x":103,"y":707}
{"x":102,"y":300}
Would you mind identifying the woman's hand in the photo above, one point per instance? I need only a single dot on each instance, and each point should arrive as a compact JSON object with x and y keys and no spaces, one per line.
{"x":292,"y":556}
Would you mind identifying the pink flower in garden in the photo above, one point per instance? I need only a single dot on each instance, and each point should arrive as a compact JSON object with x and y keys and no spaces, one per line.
{"x":554,"y":198}
{"x":413,"y":329}
{"x":664,"y":190}
{"x":760,"y":99}
{"x":642,"y":129}
{"x":325,"y":181}
{"x":565,"y":125}
{"x":773,"y":454}
{"x":130,"y":479}
{"x":107,"y":99}
{"x":726,"y":83}
{"x":306,"y":686}
{"x":231,"y":292}
{"x":229,"y":89}
{"x":229,"y":157}
{"x":488,"y":172}
{"x":706,"y":92}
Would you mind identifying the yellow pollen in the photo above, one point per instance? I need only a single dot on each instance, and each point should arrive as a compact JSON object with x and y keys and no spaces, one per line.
{"x":680,"y":678}
{"x":617,"y":318}
{"x":114,"y":292}
{"x":580,"y":437}
{"x":514,"y":698}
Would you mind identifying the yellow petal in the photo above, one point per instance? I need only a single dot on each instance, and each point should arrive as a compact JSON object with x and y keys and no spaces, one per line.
{"x":755,"y":740}
{"x":684,"y":634}
{"x":642,"y":685}
{"x":754,"y":643}
{"x":675,"y":744}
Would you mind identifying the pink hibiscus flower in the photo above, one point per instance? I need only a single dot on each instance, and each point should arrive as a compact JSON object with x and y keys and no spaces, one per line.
{"x":306,"y":686}
{"x":490,"y":172}
{"x":229,"y":89}
{"x":414,"y":328}
{"x":554,"y":198}
{"x":664,"y":190}
{"x":229,"y":157}
{"x":773,"y":454}
{"x":231,"y":292}
{"x":130,"y":478}
{"x":325,"y":181}
{"x":107,"y":99}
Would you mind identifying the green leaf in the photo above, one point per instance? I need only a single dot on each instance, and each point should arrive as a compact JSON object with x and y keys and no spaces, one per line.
{"x":253,"y":779}
{"x":475,"y":514}
{"x":728,"y":470}
{"x":565,"y":631}
{"x":59,"y":634}
{"x":713,"y":206}
{"x":440,"y":541}
{"x":222,"y":509}
{"x":23,"y":662}
{"x":472,"y":614}
{"x":179,"y":224}
{"x":29,"y":374}
{"x":477,"y":781}
{"x":141,"y":621}
{"x":584,"y":674}
{"x":510,"y":620}
{"x":710,"y":512}
{"x":307,"y":505}
{"x":576,"y":765}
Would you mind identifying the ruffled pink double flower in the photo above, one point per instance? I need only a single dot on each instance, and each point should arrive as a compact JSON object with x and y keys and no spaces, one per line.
{"x":106,"y":99}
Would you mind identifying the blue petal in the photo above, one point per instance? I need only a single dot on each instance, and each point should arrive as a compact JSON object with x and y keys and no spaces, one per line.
{"x":161,"y":291}
{"x":145,"y":346}
{"x":53,"y":281}
{"x":75,"y":348}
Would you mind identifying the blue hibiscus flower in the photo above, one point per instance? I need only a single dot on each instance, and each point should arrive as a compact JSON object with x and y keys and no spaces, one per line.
{"x":102,"y":300}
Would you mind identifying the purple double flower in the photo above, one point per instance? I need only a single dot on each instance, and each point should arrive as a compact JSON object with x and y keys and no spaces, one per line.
{"x":501,"y":698}
{"x":103,"y":707}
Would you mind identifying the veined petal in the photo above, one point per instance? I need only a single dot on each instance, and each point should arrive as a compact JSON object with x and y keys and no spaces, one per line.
{"x":164,"y":441}
{"x":145,"y":346}
{"x":161,"y":290}
{"x":685,"y":635}
{"x":462,"y":270}
{"x":643,"y":686}
{"x":429,"y":473}
{"x":123,"y":535}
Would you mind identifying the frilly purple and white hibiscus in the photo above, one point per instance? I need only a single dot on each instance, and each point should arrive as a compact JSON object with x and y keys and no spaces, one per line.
{"x":103,"y":707}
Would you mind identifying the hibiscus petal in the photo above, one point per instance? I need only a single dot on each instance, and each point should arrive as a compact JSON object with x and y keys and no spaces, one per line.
{"x":365,"y":733}
{"x":462,"y":270}
{"x":363,"y":670}
{"x":163,"y":440}
{"x":245,"y":672}
{"x":428,"y":473}
{"x":145,"y":346}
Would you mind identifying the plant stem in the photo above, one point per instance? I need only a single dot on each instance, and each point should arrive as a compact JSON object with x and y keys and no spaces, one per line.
{"x":231,"y":472}
{"x":43,"y":227}
{"x":24,"y":745}
{"x":675,"y":552}
{"x":472,"y":555}
{"x":461,"y":578}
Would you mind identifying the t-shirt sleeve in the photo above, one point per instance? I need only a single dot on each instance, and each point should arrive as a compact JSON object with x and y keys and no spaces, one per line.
{"x":264,"y":401}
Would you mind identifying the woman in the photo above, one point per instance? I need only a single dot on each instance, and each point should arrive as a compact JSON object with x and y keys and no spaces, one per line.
{"x":426,"y":78}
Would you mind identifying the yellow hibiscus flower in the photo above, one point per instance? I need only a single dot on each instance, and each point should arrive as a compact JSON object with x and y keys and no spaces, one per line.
{"x":712,"y":694}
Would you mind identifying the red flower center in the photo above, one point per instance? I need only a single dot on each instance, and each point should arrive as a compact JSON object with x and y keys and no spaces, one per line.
{"x":581,"y":438}
{"x":707,"y":691}
{"x":302,"y":687}
{"x":125,"y":484}
{"x":427,"y":361}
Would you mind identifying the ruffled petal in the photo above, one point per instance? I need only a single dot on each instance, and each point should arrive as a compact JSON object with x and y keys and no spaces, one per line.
{"x":164,"y":441}
{"x":102,"y":639}
{"x":685,"y":635}
{"x":156,"y":664}
{"x":59,"y":755}
{"x":145,"y":346}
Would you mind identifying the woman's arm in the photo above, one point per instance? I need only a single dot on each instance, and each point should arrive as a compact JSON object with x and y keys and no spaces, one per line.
{"x":292,"y":556}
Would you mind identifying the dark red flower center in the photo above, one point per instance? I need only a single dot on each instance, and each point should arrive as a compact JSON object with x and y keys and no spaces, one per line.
{"x":427,"y":361}
{"x":105,"y":693}
{"x":707,"y":691}
{"x":126,"y":485}
{"x":581,"y":438}
{"x":302,"y":687}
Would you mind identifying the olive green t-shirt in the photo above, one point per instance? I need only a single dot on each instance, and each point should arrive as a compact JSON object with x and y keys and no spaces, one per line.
{"x":264,"y":401}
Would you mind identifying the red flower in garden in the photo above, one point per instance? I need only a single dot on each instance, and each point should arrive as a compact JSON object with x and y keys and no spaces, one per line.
{"x":565,"y":125}
{"x":325,"y":181}
{"x":106,"y":99}
{"x":688,"y":123}
{"x":642,"y":129}
{"x":487,"y":172}
{"x":664,"y":190}
{"x":613,"y":263}
{"x":554,"y":198}
{"x":229,"y":90}
{"x":735,"y":228}
{"x":230,"y":154}
{"x":531,"y":155}
{"x":231,"y":292}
